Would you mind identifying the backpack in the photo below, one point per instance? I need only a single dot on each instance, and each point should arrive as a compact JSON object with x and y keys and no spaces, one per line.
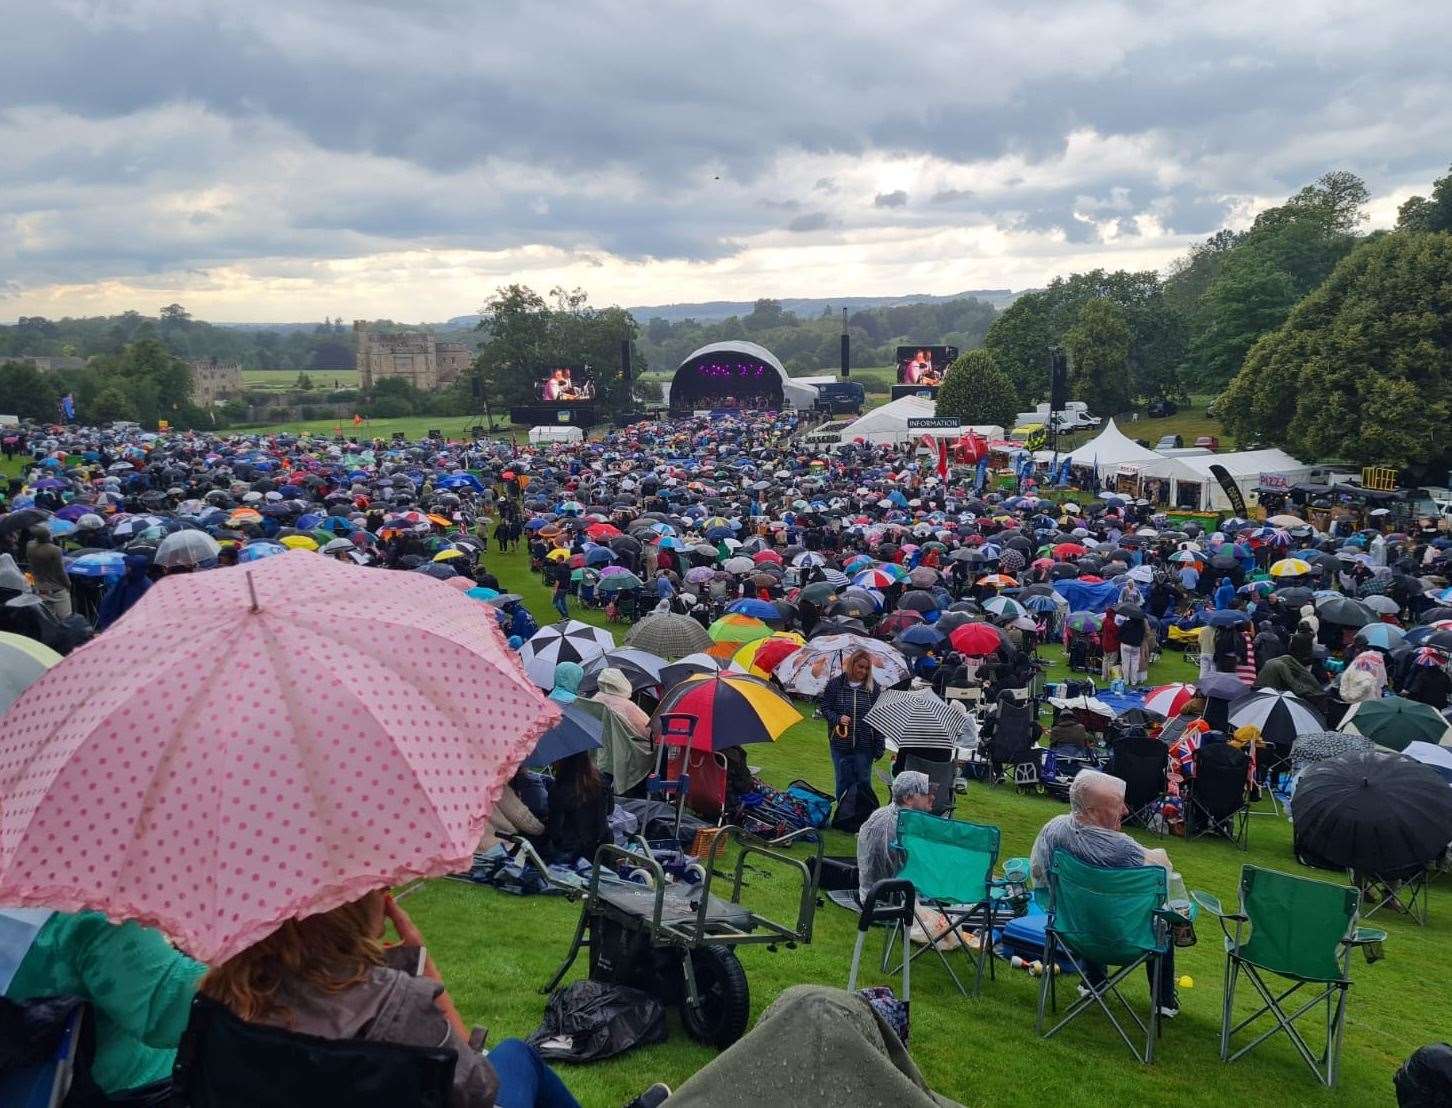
{"x":589,"y":1020}
{"x":857,"y":803}
{"x":816,"y":803}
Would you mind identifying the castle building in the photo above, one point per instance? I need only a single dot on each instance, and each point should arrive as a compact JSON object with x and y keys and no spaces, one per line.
{"x":213,"y":380}
{"x":416,"y":356}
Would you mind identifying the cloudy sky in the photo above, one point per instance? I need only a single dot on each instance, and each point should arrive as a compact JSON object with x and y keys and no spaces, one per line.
{"x":288,"y":159}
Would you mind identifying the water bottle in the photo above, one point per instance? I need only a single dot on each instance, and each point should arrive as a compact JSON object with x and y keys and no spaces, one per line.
{"x":1182,"y":933}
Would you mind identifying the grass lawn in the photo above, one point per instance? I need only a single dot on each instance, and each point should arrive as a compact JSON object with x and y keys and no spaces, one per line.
{"x":283,"y":379}
{"x":415,"y":427}
{"x":496,"y":950}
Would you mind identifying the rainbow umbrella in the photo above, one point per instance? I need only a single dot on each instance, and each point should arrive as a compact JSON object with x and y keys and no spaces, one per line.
{"x":736,"y":628}
{"x":880,"y":577}
{"x":722,"y":711}
{"x":761,"y":656}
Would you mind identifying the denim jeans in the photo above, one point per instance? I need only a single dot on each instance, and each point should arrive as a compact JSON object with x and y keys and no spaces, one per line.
{"x":850,"y":765}
{"x":562,"y":604}
{"x":525,"y":1081}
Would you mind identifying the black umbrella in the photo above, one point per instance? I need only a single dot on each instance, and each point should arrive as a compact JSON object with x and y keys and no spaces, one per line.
{"x":1344,"y":611}
{"x":1373,"y":812}
{"x":25,"y":517}
{"x":1295,"y":594}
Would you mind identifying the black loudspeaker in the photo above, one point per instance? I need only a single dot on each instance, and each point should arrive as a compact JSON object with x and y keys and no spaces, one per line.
{"x":625,"y":370}
{"x":476,"y":386}
{"x":846,"y":348}
{"x":1058,"y":380}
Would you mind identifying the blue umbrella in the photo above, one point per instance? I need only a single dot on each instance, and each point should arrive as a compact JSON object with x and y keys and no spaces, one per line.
{"x":579,"y":728}
{"x":1383,"y":636}
{"x":255,"y":550}
{"x":1037,"y":603}
{"x":104,"y":563}
{"x":461,"y":481}
{"x":599,"y":556}
{"x":1227,"y":618}
{"x":716,"y":534}
{"x":757,"y":609}
{"x":921,"y":634}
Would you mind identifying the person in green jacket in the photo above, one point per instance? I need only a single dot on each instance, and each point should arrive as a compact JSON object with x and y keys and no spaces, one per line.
{"x":139,"y":986}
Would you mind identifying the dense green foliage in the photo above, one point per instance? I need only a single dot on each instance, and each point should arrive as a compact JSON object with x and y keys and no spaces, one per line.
{"x":1021,"y":336}
{"x":1420,"y":213}
{"x":812,"y":345}
{"x":1360,"y":370}
{"x":1098,"y":345}
{"x":143,"y":381}
{"x":977,"y":391}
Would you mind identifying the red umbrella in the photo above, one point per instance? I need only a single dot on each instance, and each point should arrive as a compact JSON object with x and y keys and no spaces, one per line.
{"x":975,"y":639}
{"x":896,"y":622}
{"x":762,"y":556}
{"x":600,"y":531}
{"x":1069,"y":550}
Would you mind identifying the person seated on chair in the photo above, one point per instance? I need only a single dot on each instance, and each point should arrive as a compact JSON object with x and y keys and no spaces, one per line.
{"x":1090,"y":832}
{"x":877,"y":859}
{"x":138,"y":985}
{"x":331,"y":975}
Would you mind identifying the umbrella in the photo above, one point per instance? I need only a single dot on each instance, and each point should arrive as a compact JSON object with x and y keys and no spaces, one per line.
{"x":1084,"y":622}
{"x":918,"y":719}
{"x":732,"y":628}
{"x":998,"y":581}
{"x":818,"y":592}
{"x":694,"y":664}
{"x":23,"y":661}
{"x":1167,"y":700}
{"x":738,"y":565}
{"x":1344,"y":611}
{"x":255,"y":551}
{"x":1373,"y":813}
{"x":618,"y":582}
{"x":880,"y":577}
{"x":579,"y":728}
{"x":1430,"y":754}
{"x":976,"y":639}
{"x":99,"y":563}
{"x":566,"y":641}
{"x":716,"y":712}
{"x":1281,"y":716}
{"x":1230,"y":617}
{"x":761,"y":656}
{"x":186,"y":548}
{"x":1393,"y":722}
{"x":1290,"y":567}
{"x":1383,"y":636}
{"x":1005,"y":607}
{"x":1382,"y":605}
{"x":756,"y":609}
{"x":808,"y":670}
{"x":261,"y":758}
{"x":640,"y":668}
{"x":1322,"y":746}
{"x":668,"y":635}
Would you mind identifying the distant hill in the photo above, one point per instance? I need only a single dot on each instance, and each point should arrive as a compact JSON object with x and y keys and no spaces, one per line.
{"x":807,"y":308}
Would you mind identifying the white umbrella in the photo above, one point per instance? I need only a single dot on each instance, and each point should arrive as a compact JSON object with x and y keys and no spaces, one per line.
{"x":186,"y":548}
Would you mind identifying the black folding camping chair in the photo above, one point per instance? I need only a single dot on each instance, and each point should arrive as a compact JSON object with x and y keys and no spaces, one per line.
{"x":1217,"y":794}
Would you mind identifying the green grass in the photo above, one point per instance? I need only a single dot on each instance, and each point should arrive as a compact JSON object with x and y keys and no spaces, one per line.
{"x":415,"y":427}
{"x":324,"y":380}
{"x":1190,"y":422}
{"x":496,"y":950}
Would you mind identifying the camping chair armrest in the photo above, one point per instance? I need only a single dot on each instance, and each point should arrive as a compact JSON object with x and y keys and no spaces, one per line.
{"x":1169,"y":915}
{"x":1211,"y":903}
{"x":1363,"y":936}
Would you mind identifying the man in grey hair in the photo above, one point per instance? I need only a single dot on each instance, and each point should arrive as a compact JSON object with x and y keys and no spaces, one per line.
{"x":1090,"y":832}
{"x":876,"y":858}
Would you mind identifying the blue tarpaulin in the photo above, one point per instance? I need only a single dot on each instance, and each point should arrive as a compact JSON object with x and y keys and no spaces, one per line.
{"x":1084,"y":597}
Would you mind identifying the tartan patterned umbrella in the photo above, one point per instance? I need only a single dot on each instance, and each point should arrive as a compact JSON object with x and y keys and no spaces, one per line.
{"x":668,"y":635}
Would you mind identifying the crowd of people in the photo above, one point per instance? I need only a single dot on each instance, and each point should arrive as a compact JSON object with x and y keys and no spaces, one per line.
{"x":928,"y":583}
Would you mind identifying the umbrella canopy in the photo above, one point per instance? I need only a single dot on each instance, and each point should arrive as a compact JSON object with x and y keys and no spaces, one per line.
{"x":640,"y":668}
{"x":761,"y":656}
{"x":1085,"y":622}
{"x":566,"y":641}
{"x":976,"y":639}
{"x":756,"y":609}
{"x":579,"y":728}
{"x":715,"y":712}
{"x":1167,"y":700}
{"x":187,"y":548}
{"x":1344,"y":611}
{"x":1373,"y":813}
{"x":1393,"y":722}
{"x":1383,"y":636}
{"x":1322,"y":746}
{"x":693,"y":665}
{"x":918,"y":719}
{"x":262,"y":754}
{"x":1290,"y":567}
{"x":1429,"y":754}
{"x":808,"y":670}
{"x":732,"y":628}
{"x":1281,"y":716}
{"x":668,"y":635}
{"x":23,"y":661}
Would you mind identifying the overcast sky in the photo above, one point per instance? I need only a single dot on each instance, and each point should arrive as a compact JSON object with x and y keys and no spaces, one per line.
{"x":289,"y":159}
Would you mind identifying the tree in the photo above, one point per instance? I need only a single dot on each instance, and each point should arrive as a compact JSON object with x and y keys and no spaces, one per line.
{"x":1422,"y":214}
{"x":1098,"y":346}
{"x":304,"y":382}
{"x":977,"y":391}
{"x":26,"y":392}
{"x":1247,"y":299}
{"x":175,"y":316}
{"x":112,"y":403}
{"x":1362,"y":368}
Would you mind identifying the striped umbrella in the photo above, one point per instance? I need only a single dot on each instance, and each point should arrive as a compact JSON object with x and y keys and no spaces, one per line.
{"x":1290,"y":567}
{"x":918,"y":719}
{"x":808,"y":670}
{"x":694,"y":665}
{"x":668,"y":635}
{"x":1280,"y":716}
{"x":722,"y":711}
{"x":761,"y":656}
{"x":880,"y":577}
{"x":1167,"y":700}
{"x":1394,"y":721}
{"x":1004,"y":607}
{"x":566,"y":641}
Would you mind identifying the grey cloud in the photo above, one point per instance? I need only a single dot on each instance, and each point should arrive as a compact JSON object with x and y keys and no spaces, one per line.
{"x":812,"y":221}
{"x":896,"y":199}
{"x":952,"y":196}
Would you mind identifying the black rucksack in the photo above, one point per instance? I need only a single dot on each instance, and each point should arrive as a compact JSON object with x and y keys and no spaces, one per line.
{"x":857,"y":803}
{"x":589,"y":1020}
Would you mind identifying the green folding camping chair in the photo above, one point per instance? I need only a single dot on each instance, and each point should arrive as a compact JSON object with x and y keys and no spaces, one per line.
{"x":1108,"y":917}
{"x":1301,"y":930}
{"x":950,"y":865}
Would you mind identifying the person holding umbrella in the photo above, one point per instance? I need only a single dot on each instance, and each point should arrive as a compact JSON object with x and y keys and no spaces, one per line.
{"x":853,"y":743}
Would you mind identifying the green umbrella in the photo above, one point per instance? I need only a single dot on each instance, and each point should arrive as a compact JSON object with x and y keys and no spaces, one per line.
{"x":617,"y":581}
{"x":818,"y":591}
{"x":1393,"y":722}
{"x":589,"y":575}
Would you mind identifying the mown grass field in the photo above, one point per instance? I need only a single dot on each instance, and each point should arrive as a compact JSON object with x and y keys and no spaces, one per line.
{"x":415,"y":427}
{"x":286,"y":379}
{"x":496,"y":950}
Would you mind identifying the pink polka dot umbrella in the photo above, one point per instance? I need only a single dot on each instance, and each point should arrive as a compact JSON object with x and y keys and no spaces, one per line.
{"x":252,"y":744}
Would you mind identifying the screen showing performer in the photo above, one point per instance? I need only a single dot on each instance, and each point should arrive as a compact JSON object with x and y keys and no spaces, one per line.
{"x":565,"y":383}
{"x":924,"y":366}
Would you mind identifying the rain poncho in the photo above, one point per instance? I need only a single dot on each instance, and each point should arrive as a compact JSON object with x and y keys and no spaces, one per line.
{"x":568,"y":676}
{"x":10,"y":575}
{"x":625,"y":753}
{"x":1224,"y":594}
{"x":1288,"y":675}
{"x":813,"y":1045}
{"x":1364,"y":678}
{"x":1095,"y":846}
{"x":127,"y":590}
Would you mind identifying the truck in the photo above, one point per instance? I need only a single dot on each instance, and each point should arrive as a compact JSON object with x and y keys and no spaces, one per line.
{"x":1073,"y":416}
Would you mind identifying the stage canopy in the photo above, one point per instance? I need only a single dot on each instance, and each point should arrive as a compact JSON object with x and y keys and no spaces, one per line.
{"x":736,"y":375}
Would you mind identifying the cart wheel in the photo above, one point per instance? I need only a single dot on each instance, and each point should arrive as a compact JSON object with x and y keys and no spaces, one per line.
{"x":641,"y":877}
{"x":725,"y":997}
{"x":695,"y":873}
